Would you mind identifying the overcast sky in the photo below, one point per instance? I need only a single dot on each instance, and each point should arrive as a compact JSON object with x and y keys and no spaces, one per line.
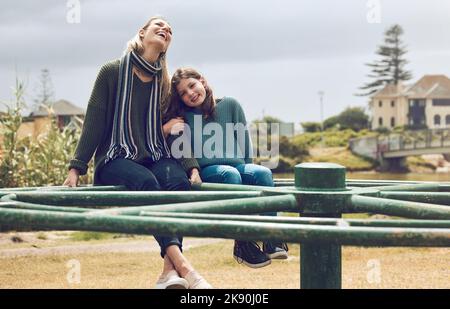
{"x":273,"y":56}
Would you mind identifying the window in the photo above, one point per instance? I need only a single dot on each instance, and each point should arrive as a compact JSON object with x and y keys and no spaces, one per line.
{"x":417,"y":102}
{"x":380,"y":121}
{"x":392,"y":103}
{"x":447,"y":120}
{"x":441,"y":102}
{"x":392,"y":122}
{"x":437,"y":120}
{"x":380,"y":103}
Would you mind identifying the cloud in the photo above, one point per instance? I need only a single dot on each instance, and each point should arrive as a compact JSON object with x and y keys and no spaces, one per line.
{"x":299,"y":46}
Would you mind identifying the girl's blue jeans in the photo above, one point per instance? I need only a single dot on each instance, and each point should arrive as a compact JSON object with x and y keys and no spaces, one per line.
{"x":246,"y":174}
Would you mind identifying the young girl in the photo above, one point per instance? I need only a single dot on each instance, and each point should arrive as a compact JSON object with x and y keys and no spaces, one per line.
{"x":226,"y":160}
{"x":123,"y":127}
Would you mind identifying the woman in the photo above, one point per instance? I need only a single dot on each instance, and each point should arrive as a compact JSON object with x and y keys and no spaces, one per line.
{"x":227,"y":159}
{"x":123,"y":128}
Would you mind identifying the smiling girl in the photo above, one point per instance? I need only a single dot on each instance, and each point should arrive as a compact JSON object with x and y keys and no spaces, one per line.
{"x":226,"y":155}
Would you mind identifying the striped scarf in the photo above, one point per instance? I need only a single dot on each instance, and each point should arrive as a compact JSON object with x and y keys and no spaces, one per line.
{"x":122,"y":142}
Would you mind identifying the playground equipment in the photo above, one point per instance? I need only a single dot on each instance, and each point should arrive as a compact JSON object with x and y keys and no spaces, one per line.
{"x":319,"y":193}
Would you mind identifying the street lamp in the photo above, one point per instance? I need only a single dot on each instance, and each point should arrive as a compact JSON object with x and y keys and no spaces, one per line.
{"x":321,"y":94}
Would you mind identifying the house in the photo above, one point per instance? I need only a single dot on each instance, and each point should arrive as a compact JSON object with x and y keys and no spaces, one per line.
{"x":67,"y":115}
{"x":425,"y":103}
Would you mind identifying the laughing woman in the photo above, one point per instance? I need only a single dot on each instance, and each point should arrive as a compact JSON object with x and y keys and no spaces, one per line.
{"x":192,"y":102}
{"x":123,"y":128}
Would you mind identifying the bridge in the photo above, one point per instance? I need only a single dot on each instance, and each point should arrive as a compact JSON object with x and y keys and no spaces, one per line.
{"x":391,"y":149}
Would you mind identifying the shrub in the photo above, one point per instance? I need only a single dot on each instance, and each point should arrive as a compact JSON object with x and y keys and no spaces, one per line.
{"x":311,"y":126}
{"x":41,"y":162}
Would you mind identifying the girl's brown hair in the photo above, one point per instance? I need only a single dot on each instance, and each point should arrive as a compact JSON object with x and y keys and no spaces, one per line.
{"x":176,"y":106}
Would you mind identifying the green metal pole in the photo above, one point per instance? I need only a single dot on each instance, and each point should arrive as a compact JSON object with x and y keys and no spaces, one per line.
{"x":442,"y":198}
{"x":320,"y":263}
{"x":206,"y":186}
{"x":22,"y":205}
{"x":405,"y":209}
{"x":123,"y":198}
{"x":429,"y":187}
{"x":249,"y":205}
{"x":304,"y":220}
{"x":299,"y":233}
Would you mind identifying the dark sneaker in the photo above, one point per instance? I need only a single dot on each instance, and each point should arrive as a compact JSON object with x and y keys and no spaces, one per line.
{"x":250,"y":254}
{"x":276,"y":250}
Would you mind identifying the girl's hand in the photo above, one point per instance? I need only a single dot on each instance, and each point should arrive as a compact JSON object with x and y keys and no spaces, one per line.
{"x":195,"y":176}
{"x":72,"y":178}
{"x":173,"y":126}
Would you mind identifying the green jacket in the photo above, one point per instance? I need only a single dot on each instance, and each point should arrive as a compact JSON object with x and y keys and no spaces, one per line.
{"x":98,"y":123}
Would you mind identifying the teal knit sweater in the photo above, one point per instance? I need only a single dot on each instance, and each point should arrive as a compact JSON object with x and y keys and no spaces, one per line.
{"x":231,"y":146}
{"x":98,"y":123}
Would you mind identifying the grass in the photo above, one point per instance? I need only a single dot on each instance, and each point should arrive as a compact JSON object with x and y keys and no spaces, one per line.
{"x":342,"y":156}
{"x":394,"y":267}
{"x":41,"y":236}
{"x":417,"y":163}
{"x":86,"y":236}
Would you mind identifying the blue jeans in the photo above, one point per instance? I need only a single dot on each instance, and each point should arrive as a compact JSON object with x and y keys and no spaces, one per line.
{"x":247,"y":174}
{"x":165,"y":174}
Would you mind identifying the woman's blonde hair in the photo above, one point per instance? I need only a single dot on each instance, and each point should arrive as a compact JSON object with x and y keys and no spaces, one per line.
{"x":135,"y":44}
{"x":176,"y":106}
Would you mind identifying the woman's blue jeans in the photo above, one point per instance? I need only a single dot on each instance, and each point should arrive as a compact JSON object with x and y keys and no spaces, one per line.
{"x":247,"y":174}
{"x":165,"y":174}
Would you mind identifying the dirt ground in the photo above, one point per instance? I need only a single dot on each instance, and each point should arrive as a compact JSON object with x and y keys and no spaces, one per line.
{"x":53,"y":260}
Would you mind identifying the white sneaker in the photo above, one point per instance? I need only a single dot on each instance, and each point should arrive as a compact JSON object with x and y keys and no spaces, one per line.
{"x":196,"y":281}
{"x":171,"y":281}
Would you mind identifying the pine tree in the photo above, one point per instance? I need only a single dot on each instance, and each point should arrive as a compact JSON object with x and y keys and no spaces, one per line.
{"x":390,"y":68}
{"x":45,"y":91}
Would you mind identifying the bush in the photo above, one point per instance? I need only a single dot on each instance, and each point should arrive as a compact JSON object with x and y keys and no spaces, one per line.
{"x":41,"y":162}
{"x":382,"y":130}
{"x":285,"y":165}
{"x":353,"y":118}
{"x":332,"y":138}
{"x":290,"y":150}
{"x":311,"y":127}
{"x":332,"y":122}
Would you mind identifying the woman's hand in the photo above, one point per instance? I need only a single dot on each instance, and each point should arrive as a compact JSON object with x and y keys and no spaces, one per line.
{"x":195,"y":176}
{"x":173,"y":126}
{"x":72,"y":178}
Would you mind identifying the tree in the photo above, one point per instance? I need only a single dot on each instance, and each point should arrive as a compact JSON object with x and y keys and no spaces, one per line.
{"x":390,"y":68}
{"x":45,"y":90}
{"x":297,"y":151}
{"x":269,"y":120}
{"x":311,"y":127}
{"x":331,"y":122}
{"x":351,"y":118}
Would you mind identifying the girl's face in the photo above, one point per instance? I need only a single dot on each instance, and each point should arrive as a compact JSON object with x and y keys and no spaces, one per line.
{"x":158,"y":33}
{"x":192,"y":91}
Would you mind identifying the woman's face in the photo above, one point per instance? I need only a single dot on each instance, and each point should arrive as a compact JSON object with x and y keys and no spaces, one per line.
{"x":158,"y":34}
{"x":192,"y":91}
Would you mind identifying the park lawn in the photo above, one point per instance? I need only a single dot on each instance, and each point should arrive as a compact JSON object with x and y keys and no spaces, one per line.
{"x":362,"y":268}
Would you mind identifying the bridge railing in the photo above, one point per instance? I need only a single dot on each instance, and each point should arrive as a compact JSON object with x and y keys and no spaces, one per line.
{"x":411,"y":140}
